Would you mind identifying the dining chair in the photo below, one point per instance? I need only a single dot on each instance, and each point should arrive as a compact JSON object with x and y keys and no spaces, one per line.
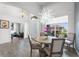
{"x":56,"y":48}
{"x":34,"y":46}
{"x":70,"y":39}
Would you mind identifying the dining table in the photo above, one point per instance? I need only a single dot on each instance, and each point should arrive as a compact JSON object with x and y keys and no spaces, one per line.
{"x":45,"y":39}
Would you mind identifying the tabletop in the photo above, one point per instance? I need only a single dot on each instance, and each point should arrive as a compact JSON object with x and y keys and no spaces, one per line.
{"x":45,"y":39}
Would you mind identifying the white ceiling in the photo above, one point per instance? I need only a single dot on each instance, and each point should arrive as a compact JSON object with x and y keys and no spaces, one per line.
{"x":35,"y":7}
{"x":43,"y":3}
{"x":31,"y":7}
{"x":25,"y":3}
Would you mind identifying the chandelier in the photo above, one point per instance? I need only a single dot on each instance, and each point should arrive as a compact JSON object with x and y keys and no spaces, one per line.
{"x":46,"y":15}
{"x":23,"y":13}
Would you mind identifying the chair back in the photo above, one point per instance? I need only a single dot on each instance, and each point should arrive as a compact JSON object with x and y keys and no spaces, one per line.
{"x":57,"y":45}
{"x":71,"y":36}
{"x":30,"y":41}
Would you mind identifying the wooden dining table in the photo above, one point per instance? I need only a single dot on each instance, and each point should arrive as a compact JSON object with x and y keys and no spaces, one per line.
{"x":45,"y":39}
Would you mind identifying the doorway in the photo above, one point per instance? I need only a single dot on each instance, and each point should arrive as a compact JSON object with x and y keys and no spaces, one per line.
{"x":17,"y":30}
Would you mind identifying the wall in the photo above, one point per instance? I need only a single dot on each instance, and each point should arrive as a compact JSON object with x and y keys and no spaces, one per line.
{"x":12,"y":14}
{"x":26,"y":29}
{"x":5,"y":34}
{"x":17,"y":27}
{"x":62,"y":9}
{"x":21,"y":28}
{"x":77,"y":26}
{"x":34,"y":28}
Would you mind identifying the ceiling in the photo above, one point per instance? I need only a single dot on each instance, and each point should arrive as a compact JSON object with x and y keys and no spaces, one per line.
{"x":43,"y":3}
{"x":35,"y":7}
{"x":38,"y":3}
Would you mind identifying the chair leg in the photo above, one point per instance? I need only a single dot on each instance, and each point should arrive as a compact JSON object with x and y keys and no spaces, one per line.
{"x":73,"y":47}
{"x":39,"y":53}
{"x":31,"y":53}
{"x":50,"y":55}
{"x":61,"y":54}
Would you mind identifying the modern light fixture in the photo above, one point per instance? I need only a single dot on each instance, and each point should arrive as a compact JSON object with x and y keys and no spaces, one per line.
{"x":46,"y":15}
{"x":23,"y":13}
{"x":34,"y":17}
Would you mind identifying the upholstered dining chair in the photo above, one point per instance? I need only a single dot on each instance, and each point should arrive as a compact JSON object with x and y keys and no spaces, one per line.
{"x":70,"y":39}
{"x":34,"y":46}
{"x":55,"y":49}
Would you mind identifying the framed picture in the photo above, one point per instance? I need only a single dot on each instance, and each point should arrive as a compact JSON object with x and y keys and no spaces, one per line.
{"x":4,"y":24}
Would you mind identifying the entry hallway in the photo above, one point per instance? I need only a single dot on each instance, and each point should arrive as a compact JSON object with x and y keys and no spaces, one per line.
{"x":21,"y":48}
